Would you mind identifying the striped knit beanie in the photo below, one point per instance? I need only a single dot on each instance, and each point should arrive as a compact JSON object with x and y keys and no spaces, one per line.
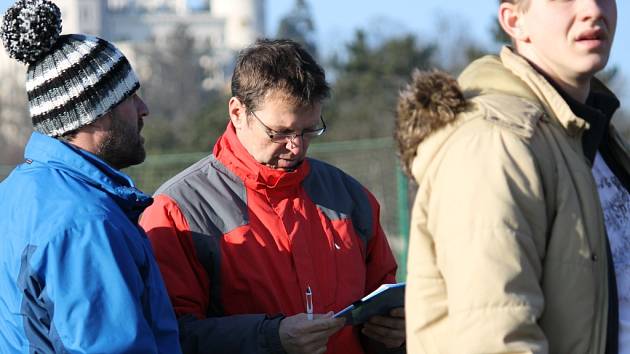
{"x":72,"y":80}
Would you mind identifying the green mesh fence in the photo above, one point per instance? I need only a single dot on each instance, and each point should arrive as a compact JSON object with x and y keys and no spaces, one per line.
{"x":372,"y":162}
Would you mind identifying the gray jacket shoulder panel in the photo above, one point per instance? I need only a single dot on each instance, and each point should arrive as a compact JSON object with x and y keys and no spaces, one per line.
{"x":339,"y":196}
{"x":214,"y":202}
{"x":210,"y":196}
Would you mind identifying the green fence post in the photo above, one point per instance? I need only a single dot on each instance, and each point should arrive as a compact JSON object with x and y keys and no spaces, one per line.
{"x":402,"y":188}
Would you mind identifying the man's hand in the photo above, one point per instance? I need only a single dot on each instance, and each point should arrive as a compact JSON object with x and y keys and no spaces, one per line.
{"x":299,"y":335}
{"x":389,"y":330}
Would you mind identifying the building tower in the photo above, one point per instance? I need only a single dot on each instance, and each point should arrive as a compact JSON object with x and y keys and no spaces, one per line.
{"x":181,"y":7}
{"x":244,"y":20}
{"x":82,"y":16}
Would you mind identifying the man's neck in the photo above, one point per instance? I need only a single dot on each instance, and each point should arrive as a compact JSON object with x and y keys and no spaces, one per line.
{"x":578,"y":87}
{"x":578,"y":92}
{"x":85,"y":141}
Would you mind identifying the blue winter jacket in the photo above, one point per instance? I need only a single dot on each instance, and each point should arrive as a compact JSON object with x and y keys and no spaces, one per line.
{"x":77,"y":275}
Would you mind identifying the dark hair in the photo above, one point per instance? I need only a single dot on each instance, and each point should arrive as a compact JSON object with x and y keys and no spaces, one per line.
{"x":280,"y":66}
{"x":69,"y":136}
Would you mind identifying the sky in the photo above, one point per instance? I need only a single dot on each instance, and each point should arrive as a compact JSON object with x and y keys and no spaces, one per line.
{"x":336,"y":21}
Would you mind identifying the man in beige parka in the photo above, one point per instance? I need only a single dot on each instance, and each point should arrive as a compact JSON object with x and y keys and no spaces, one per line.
{"x":508,"y":250}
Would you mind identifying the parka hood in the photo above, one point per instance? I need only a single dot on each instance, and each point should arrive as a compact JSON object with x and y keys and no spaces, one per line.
{"x":432,"y":100}
{"x":488,"y":75}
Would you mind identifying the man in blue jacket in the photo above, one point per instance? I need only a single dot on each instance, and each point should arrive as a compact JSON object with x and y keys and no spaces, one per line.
{"x":77,"y":274}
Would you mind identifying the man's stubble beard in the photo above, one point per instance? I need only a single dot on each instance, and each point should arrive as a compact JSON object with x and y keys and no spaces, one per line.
{"x":123,"y":146}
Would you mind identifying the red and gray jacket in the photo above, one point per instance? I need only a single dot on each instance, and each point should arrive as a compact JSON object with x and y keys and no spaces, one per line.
{"x":238,"y":243}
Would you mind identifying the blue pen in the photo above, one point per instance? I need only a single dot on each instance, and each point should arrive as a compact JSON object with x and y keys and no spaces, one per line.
{"x":309,"y":303}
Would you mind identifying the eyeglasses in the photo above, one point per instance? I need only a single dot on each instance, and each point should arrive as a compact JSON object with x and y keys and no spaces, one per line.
{"x":282,"y":138}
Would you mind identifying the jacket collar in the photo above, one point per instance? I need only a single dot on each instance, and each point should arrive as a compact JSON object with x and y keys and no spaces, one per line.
{"x":90,"y":169}
{"x":513,"y":75}
{"x":598,"y":110}
{"x":255,"y":175}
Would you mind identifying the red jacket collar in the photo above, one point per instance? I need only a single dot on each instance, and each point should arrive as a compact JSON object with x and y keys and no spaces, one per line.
{"x":255,"y":175}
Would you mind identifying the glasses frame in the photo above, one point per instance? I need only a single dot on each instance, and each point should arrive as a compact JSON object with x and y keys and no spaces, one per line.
{"x":283,"y":138}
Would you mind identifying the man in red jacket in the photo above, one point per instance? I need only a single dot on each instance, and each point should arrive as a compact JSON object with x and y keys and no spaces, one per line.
{"x":243,"y":234}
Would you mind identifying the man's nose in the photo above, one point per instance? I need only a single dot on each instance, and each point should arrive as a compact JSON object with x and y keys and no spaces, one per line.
{"x":141,"y":107}
{"x":591,"y":10}
{"x":295,"y":143}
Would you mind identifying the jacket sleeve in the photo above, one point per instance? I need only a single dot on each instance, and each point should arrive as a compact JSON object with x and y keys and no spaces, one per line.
{"x":188,"y":286}
{"x":487,"y":221}
{"x":94,"y":290}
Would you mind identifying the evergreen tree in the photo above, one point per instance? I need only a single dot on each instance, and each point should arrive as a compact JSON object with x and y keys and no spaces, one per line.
{"x":299,"y":26}
{"x":367,"y":83}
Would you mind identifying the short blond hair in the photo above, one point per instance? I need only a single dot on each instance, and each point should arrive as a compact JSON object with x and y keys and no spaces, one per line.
{"x":522,"y":4}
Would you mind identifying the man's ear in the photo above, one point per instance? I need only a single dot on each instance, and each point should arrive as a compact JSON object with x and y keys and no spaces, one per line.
{"x":238,"y":112}
{"x":511,"y":20}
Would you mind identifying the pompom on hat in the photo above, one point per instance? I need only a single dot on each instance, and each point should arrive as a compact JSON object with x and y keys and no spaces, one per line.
{"x":72,"y":80}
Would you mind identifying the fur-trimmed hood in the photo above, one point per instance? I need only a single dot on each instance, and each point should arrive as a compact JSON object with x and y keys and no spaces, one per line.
{"x":432,"y":100}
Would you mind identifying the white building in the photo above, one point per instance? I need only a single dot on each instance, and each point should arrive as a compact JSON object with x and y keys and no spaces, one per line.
{"x":223,"y":26}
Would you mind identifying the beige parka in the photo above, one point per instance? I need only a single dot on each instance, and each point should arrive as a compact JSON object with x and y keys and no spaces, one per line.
{"x":507,"y":250}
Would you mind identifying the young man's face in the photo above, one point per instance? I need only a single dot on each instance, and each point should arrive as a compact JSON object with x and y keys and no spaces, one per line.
{"x":275,"y":115}
{"x":569,"y":39}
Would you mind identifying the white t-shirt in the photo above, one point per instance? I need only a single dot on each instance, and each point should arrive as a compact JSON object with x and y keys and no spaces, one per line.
{"x":615,"y":202}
